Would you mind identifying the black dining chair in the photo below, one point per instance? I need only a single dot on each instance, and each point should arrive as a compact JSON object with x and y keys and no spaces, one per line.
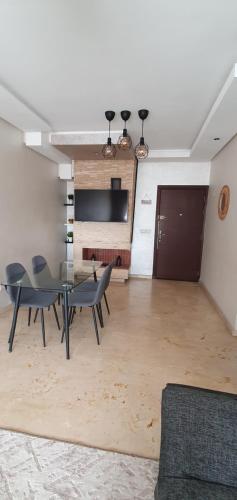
{"x":89,"y":298}
{"x":91,"y":286}
{"x":31,"y":298}
{"x":42,"y":275}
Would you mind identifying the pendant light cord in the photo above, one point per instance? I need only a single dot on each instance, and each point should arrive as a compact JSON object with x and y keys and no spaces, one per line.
{"x":142,"y":127}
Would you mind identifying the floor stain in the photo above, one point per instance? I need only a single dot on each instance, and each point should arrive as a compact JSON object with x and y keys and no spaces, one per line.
{"x":151,"y":423}
{"x":121,"y":386}
{"x":227,"y":380}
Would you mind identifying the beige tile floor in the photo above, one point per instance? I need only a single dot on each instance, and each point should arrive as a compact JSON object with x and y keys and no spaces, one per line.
{"x":109,"y":396}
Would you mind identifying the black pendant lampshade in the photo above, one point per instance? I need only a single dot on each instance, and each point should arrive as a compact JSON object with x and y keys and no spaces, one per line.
{"x":109,"y":149}
{"x":124,"y":140}
{"x":141,"y":149}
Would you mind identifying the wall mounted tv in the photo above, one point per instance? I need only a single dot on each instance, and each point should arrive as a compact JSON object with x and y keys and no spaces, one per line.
{"x":101,"y":205}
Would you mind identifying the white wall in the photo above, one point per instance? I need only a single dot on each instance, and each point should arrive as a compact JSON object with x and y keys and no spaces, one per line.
{"x":31,"y":204}
{"x":151,"y":175}
{"x":219,"y":267}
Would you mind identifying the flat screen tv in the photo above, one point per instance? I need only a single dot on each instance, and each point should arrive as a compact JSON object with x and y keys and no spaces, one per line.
{"x":101,"y":205}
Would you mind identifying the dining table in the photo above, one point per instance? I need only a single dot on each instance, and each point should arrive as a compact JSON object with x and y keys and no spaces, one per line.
{"x":62,"y":279}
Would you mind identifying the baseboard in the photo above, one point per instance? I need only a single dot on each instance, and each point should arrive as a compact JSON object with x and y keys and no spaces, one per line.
{"x":142,"y":276}
{"x":218,"y":309}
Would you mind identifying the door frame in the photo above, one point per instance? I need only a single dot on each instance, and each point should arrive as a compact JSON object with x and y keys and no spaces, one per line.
{"x":158,"y":201}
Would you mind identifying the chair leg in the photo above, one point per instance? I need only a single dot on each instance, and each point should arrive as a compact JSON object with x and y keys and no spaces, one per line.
{"x":59,"y":299}
{"x":56,"y":316}
{"x":106,"y":302}
{"x":70,"y":316}
{"x":29,"y":316}
{"x":80,"y":309}
{"x":36,"y":314}
{"x":100,"y":315}
{"x":14,"y":319}
{"x":63,"y":332}
{"x":73,"y":314}
{"x":95,"y":324}
{"x":42,"y":326}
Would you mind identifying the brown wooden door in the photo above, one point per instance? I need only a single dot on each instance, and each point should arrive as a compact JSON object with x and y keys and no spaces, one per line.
{"x":179,"y":232}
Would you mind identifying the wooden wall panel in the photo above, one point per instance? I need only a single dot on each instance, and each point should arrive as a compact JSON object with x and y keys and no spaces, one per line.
{"x":96,"y":174}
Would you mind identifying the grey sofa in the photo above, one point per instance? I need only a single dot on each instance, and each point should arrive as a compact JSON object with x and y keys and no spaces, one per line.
{"x":198,"y":456}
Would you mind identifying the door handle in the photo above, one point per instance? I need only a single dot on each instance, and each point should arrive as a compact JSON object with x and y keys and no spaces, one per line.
{"x":162,"y":217}
{"x":159,"y":234}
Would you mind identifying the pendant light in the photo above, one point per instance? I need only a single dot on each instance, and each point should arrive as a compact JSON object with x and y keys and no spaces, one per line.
{"x":109,"y":149}
{"x":124,"y":140}
{"x":141,"y":149}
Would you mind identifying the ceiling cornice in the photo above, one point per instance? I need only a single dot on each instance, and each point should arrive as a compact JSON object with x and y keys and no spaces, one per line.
{"x":220,"y":125}
{"x":19,"y":114}
{"x":221,"y":122}
{"x":169,"y":153}
{"x":83,"y":138}
{"x":40,"y":142}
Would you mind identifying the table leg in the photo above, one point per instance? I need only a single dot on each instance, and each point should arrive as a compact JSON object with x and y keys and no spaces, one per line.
{"x":14,"y":319}
{"x":66,"y":323}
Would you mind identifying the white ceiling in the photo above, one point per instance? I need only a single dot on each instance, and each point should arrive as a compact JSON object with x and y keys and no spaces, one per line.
{"x":70,"y":60}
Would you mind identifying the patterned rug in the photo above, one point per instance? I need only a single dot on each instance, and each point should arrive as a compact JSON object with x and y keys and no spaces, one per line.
{"x":34,"y":468}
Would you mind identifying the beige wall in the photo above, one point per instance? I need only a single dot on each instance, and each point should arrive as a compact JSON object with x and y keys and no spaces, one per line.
{"x":219,"y":264}
{"x":31,"y":199}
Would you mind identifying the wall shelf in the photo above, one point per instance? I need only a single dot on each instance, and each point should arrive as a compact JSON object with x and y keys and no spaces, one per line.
{"x":69,"y":179}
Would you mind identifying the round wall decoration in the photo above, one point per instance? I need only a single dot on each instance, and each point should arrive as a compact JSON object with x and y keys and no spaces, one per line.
{"x":224,"y":202}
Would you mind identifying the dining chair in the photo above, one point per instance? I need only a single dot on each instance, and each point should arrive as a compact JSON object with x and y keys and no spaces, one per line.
{"x":41,"y":272}
{"x":39,"y":263}
{"x":91,"y":286}
{"x":89,"y":298}
{"x":31,"y":298}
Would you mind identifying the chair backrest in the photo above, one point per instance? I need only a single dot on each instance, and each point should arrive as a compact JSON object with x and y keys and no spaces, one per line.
{"x":14,"y":273}
{"x":198,"y":435}
{"x":111,"y":265}
{"x":42,"y":273}
{"x":103,"y":284}
{"x":38,"y":263}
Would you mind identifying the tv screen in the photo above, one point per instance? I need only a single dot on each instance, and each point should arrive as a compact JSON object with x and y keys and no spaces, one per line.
{"x":101,"y":205}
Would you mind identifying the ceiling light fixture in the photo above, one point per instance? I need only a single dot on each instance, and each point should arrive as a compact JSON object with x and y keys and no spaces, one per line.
{"x":109,"y":149}
{"x":141,"y":149}
{"x":124,"y":140}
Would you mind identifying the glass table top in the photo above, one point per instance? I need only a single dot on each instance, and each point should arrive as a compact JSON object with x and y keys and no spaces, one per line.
{"x":67,"y":276}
